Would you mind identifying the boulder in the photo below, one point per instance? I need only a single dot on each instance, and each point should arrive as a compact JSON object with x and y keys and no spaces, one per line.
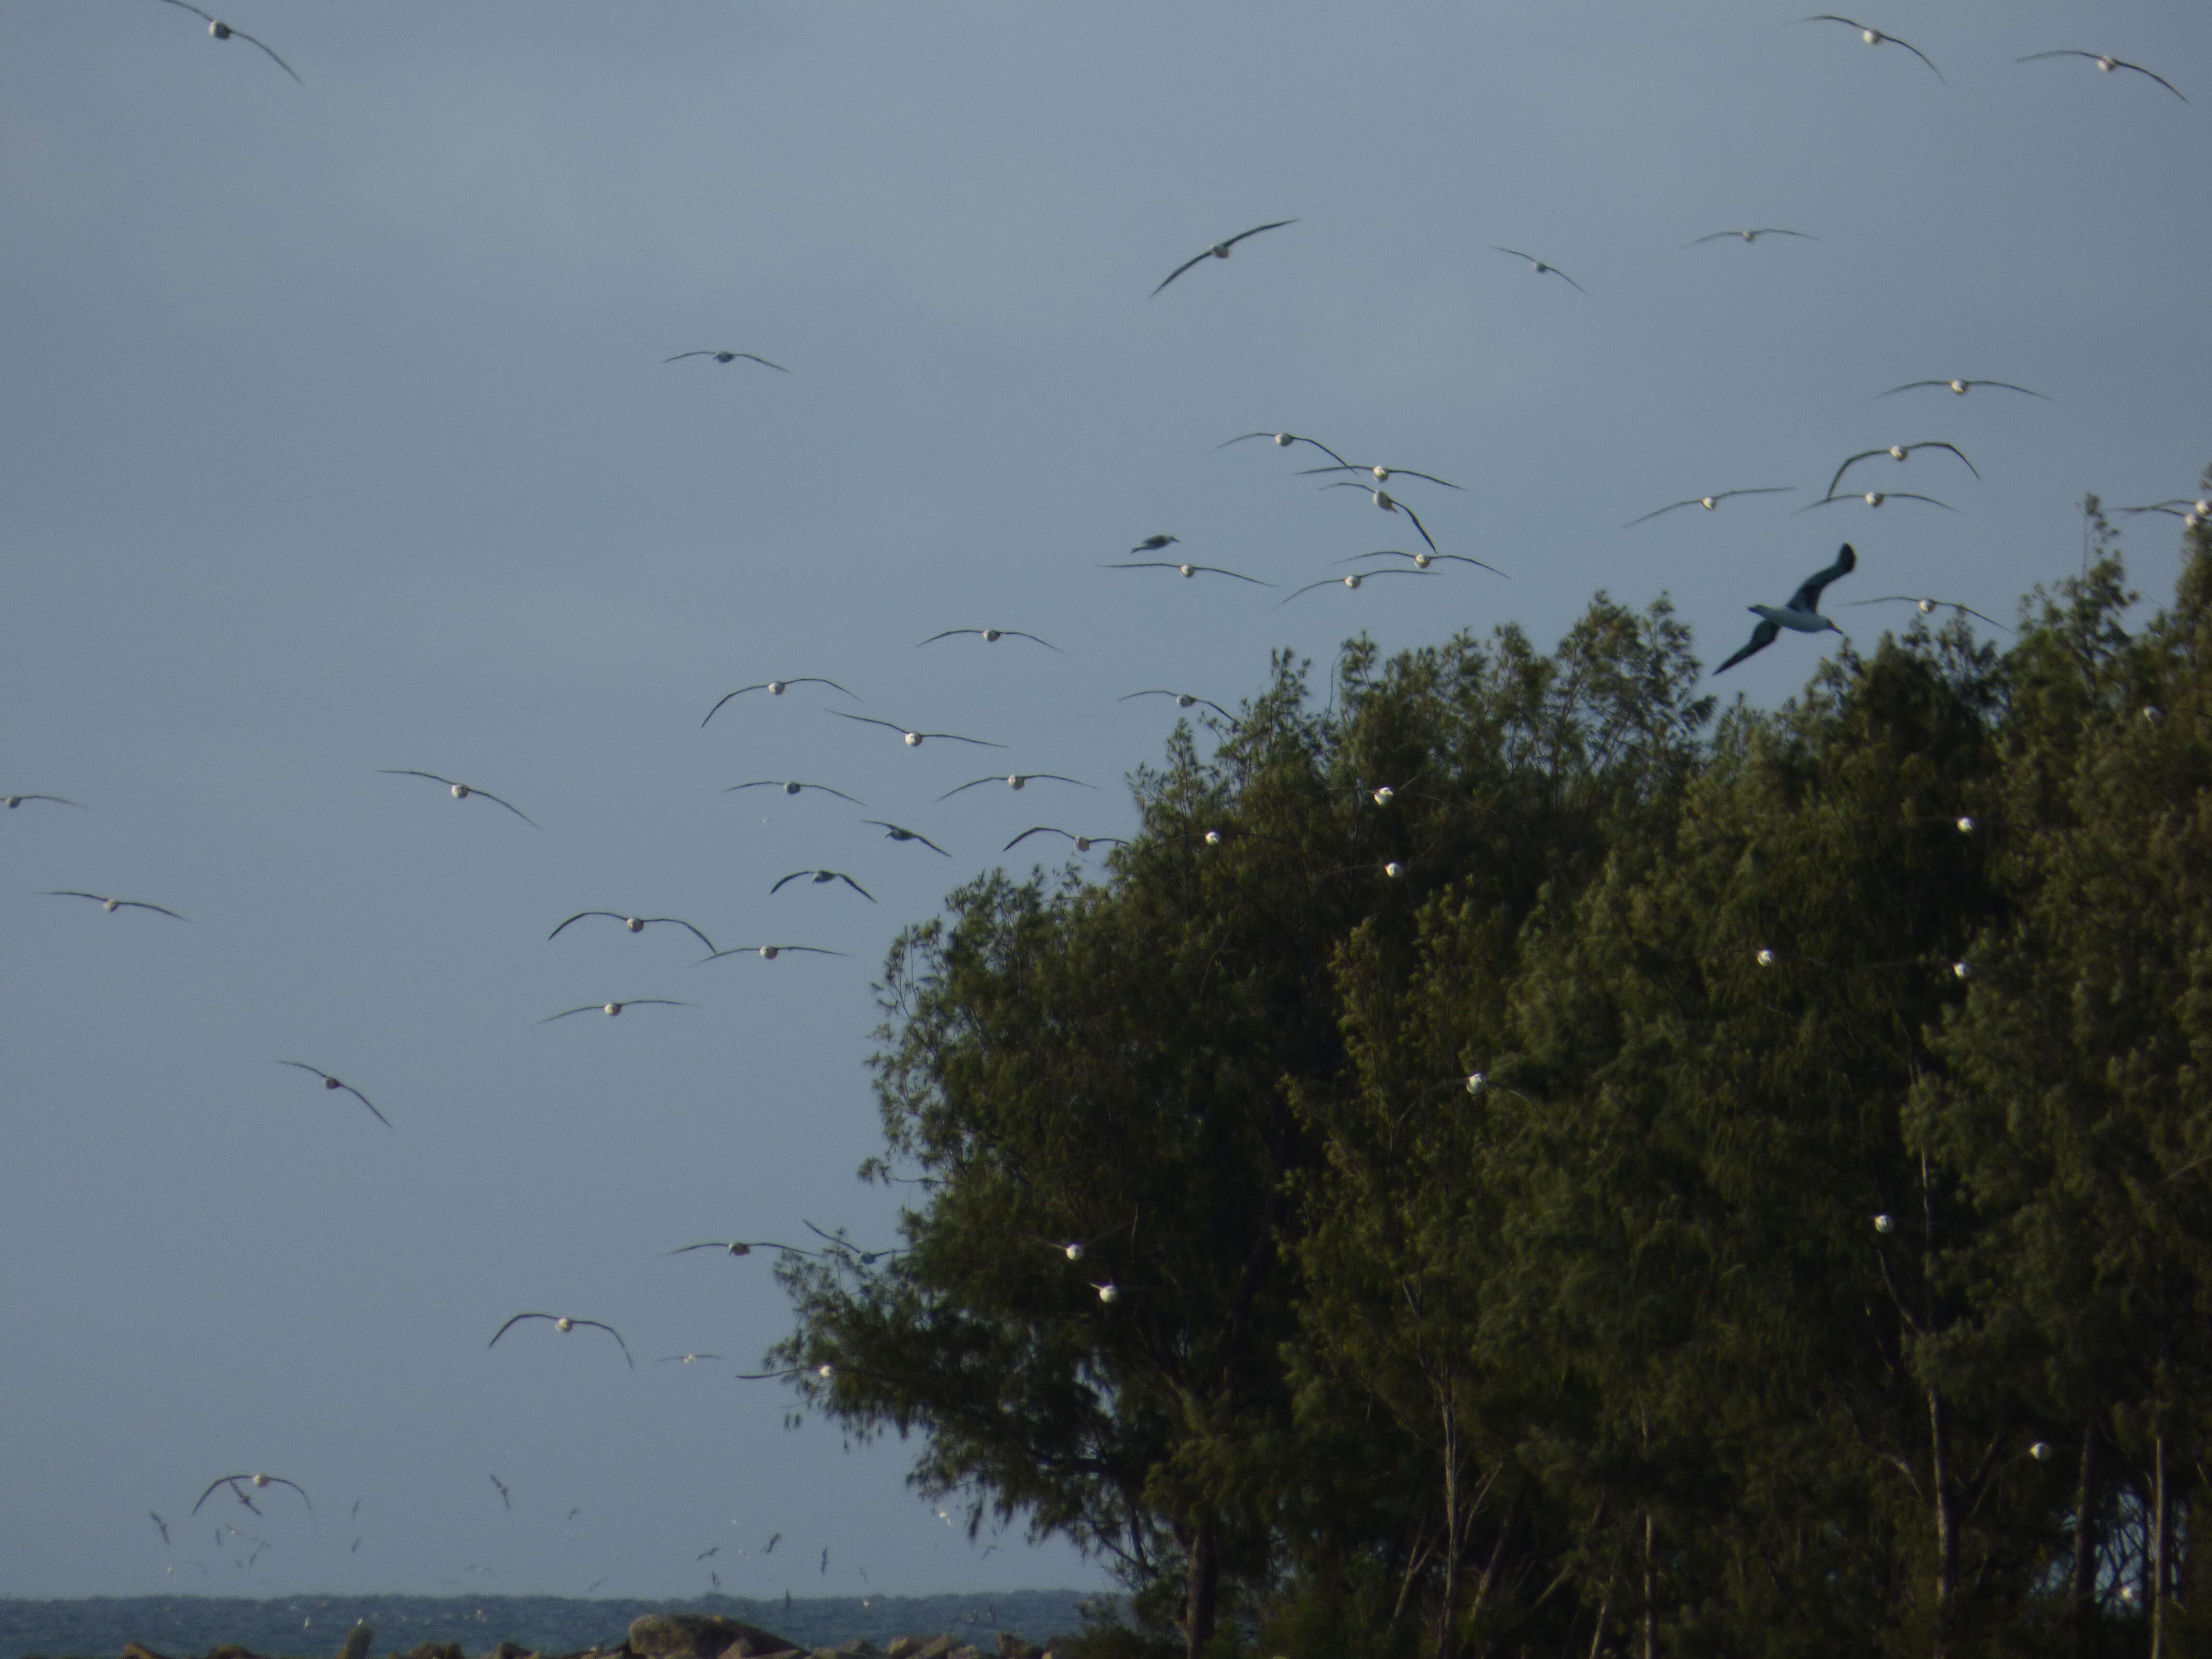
{"x":139,"y":1651}
{"x":356,"y":1643}
{"x":700,"y":1635}
{"x":1011,"y":1646}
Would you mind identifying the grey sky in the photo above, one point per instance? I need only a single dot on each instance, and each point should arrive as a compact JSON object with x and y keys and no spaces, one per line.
{"x":337,"y":437}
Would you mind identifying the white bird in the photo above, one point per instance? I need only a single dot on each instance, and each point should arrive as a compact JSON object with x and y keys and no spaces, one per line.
{"x":685,"y":1360}
{"x":1959,"y":387}
{"x":564,"y":1323}
{"x":776,"y":688}
{"x":770,"y":952}
{"x":1108,"y":1292}
{"x":1353,"y":581}
{"x":1709,"y":502}
{"x":1801,"y":615}
{"x":1383,"y":499}
{"x":1284,"y":441}
{"x":330,"y":1082}
{"x":1541,"y":268}
{"x":1017,"y":781}
{"x":1927,"y":607}
{"x":2039,"y":1450}
{"x":1899,"y":452}
{"x":827,"y":1373}
{"x":728,"y":357}
{"x":1875,"y":38}
{"x":1749,"y":235}
{"x":2108,"y":64}
{"x":1380,"y":473}
{"x":742,"y":1246}
{"x":1186,"y":570}
{"x":914,"y":740}
{"x":611,"y":1009}
{"x":223,"y":31}
{"x":1083,"y":843}
{"x":460,"y":791}
{"x":1422,"y":560}
{"x":258,"y":1481}
{"x":1182,"y":700}
{"x":11,"y":802}
{"x":792,"y":788}
{"x":1876,"y":497}
{"x":989,"y":635}
{"x":1882,"y":1224}
{"x":110,"y":905}
{"x":1221,"y":250}
{"x":635,"y":924}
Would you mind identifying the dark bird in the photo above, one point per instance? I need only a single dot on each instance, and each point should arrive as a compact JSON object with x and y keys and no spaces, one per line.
{"x":1541,"y":268}
{"x":162,"y":1524}
{"x":1389,"y":504}
{"x":1802,"y":613}
{"x":1083,"y":843}
{"x":1017,"y":781}
{"x":223,"y":31}
{"x":2106,"y":63}
{"x":563,"y":1323}
{"x":1186,"y":570}
{"x":1959,"y":387}
{"x":792,"y":788}
{"x":896,"y":832}
{"x":1749,"y":235}
{"x":776,"y":688}
{"x":914,"y":740}
{"x":1154,"y":543}
{"x":704,"y":1554}
{"x":110,"y":905}
{"x":990,"y":636}
{"x":1221,"y":250}
{"x":637,"y":923}
{"x":503,"y":1498}
{"x":770,"y":952}
{"x":728,"y":357}
{"x":1899,"y":452}
{"x":1182,"y":700}
{"x":821,"y":875}
{"x":256,"y":1480}
{"x":1284,"y":441}
{"x":1929,"y":606}
{"x":330,"y":1082}
{"x":609,"y":1009}
{"x":1875,"y":38}
{"x":768,"y":1548}
{"x":11,"y":802}
{"x":1709,"y":502}
{"x":1353,"y":581}
{"x":460,"y":790}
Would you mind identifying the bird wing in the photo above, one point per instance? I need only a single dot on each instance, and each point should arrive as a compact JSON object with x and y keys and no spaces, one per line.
{"x":816,"y":679}
{"x":679,"y":921}
{"x":228,"y":1479}
{"x":856,"y":886}
{"x":279,"y":1481}
{"x":1917,"y":52}
{"x":273,"y":59}
{"x":589,"y":1008}
{"x":1418,"y":525}
{"x":1040,"y":830}
{"x":406,"y":772}
{"x":905,"y":834}
{"x":869,"y":719}
{"x":1937,"y":443}
{"x":763,"y":361}
{"x":984,"y":742}
{"x":946,"y":634}
{"x":1145,"y":564}
{"x":1216,"y":570}
{"x":1655,"y":512}
{"x":1808,"y":596}
{"x":681,"y":356}
{"x":2008,"y":385}
{"x":1180,"y":268}
{"x":379,"y":1117}
{"x":141,"y":904}
{"x":1907,"y":496}
{"x":71,"y":892}
{"x":1714,"y":237}
{"x":793,"y":876}
{"x":1516,"y":253}
{"x":615,"y":1333}
{"x":1764,"y":490}
{"x":1865,"y":454}
{"x":510,"y":806}
{"x":1016,"y":634}
{"x":580,"y":916}
{"x":1406,"y":472}
{"x":185,"y":5}
{"x":742,"y":690}
{"x":1777,"y":230}
{"x":1568,"y":280}
{"x":970,"y":784}
{"x":1325,"y":581}
{"x":1910,"y":384}
{"x":520,"y":1317}
{"x":1055,"y":777}
{"x":711,"y":1244}
{"x":1761,"y":637}
{"x":2161,"y":79}
{"x":1273,"y":224}
{"x":58,"y":798}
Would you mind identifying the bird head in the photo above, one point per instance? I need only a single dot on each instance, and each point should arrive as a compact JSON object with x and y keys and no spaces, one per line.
{"x":913,"y":739}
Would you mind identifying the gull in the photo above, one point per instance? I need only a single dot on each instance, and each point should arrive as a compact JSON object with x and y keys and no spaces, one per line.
{"x":822,"y":876}
{"x":460,"y":790}
{"x":1182,"y":700}
{"x":257,"y":1480}
{"x":990,"y":636}
{"x":896,"y":832}
{"x":776,"y":688}
{"x":1709,"y":502}
{"x":914,"y":740}
{"x":1875,"y":38}
{"x":1802,"y":613}
{"x":1186,"y":570}
{"x":1389,"y":504}
{"x":1541,"y":268}
{"x":770,"y":952}
{"x":1926,"y":608}
{"x":728,"y":357}
{"x":2108,"y":64}
{"x":1422,"y":560}
{"x":110,"y":905}
{"x":742,"y":1247}
{"x":1083,"y":843}
{"x":609,"y":1009}
{"x":330,"y":1082}
{"x":635,"y":924}
{"x":1154,"y":543}
{"x":1898,"y":453}
{"x":1959,"y":387}
{"x":503,"y":1498}
{"x":11,"y":802}
{"x":1380,"y":473}
{"x":792,"y":788}
{"x":1876,"y":497}
{"x":1221,"y":250}
{"x":1284,"y":441}
{"x":564,"y":1323}
{"x":1353,"y":581}
{"x":1018,"y":780}
{"x":1749,"y":235}
{"x":223,"y":31}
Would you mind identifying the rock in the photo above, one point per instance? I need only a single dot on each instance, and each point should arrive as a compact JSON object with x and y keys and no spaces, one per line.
{"x":428,"y":1650}
{"x":356,"y":1643}
{"x":232,"y":1650}
{"x":937,"y":1647}
{"x":138,"y":1650}
{"x":506,"y":1650}
{"x":700,"y":1635}
{"x":1011,"y":1646}
{"x":902,"y":1647}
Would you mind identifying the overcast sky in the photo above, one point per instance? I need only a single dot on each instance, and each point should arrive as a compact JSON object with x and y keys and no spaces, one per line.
{"x":335,"y":435}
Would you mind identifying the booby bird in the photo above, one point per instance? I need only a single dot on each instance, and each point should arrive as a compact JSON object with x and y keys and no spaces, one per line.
{"x":1749,"y":235}
{"x":1384,"y":499}
{"x":564,"y":1323}
{"x":330,"y":1082}
{"x":1182,"y":700}
{"x":776,"y":688}
{"x":611,"y":1009}
{"x":1928,"y":607}
{"x":110,"y":905}
{"x":770,"y":952}
{"x":1541,"y":268}
{"x":2108,"y":64}
{"x":1186,"y":570}
{"x":1221,"y":250}
{"x":1709,"y":502}
{"x":989,"y":636}
{"x":914,"y":740}
{"x":821,"y":875}
{"x":1959,"y":388}
{"x":1899,"y":452}
{"x":792,"y":788}
{"x":1354,"y":579}
{"x":1017,"y":781}
{"x":1284,"y":441}
{"x":728,"y":357}
{"x":1083,"y":843}
{"x":899,"y":832}
{"x":1801,"y":615}
{"x":1380,"y":473}
{"x":1422,"y":560}
{"x":1875,"y":38}
{"x":635,"y":924}
{"x":11,"y":802}
{"x":460,"y":791}
{"x":258,"y":1481}
{"x":223,"y":31}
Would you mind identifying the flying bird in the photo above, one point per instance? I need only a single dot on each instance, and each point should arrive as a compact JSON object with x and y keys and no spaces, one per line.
{"x":503,"y":1498}
{"x":792,"y":788}
{"x":1929,"y":606}
{"x":1875,"y":38}
{"x":1960,"y":387}
{"x":1380,"y":473}
{"x":330,"y":1082}
{"x":223,"y":31}
{"x":1421,"y":560}
{"x":1899,"y":452}
{"x":865,"y":1258}
{"x":258,"y":1481}
{"x":1384,"y":499}
{"x":1749,"y":235}
{"x":1541,"y":268}
{"x":742,"y":1246}
{"x":1802,"y":613}
{"x":611,"y":1009}
{"x":564,"y":1324}
{"x":1083,"y":843}
{"x":1353,"y":581}
{"x":1018,"y":780}
{"x":11,"y":802}
{"x":728,"y":357}
{"x":1876,"y":497}
{"x":686,"y":1359}
{"x":1154,"y":543}
{"x":776,"y":688}
{"x":1709,"y":502}
{"x":110,"y":905}
{"x":1284,"y":441}
{"x":160,"y":1523}
{"x":827,"y":1373}
{"x":1186,"y":570}
{"x":2108,"y":64}
{"x":770,"y":952}
{"x":637,"y":923}
{"x":914,"y":740}
{"x":990,"y":636}
{"x":821,"y":875}
{"x":896,"y":832}
{"x":1221,"y":250}
{"x":1182,"y":700}
{"x":460,"y":791}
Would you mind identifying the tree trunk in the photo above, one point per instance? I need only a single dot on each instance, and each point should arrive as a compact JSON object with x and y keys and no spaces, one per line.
{"x":1946,"y":1527}
{"x":1454,"y":1539}
{"x":1203,"y":1582}
{"x":2158,"y":1548}
{"x":2081,"y":1592}
{"x":1651,"y":1612}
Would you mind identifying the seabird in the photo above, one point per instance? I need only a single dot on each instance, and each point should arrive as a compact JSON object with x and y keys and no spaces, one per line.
{"x":1154,"y":543}
{"x":257,"y":1480}
{"x":770,"y":952}
{"x":1182,"y":700}
{"x":865,"y":1258}
{"x":1875,"y":38}
{"x":1353,"y":581}
{"x":896,"y":832}
{"x":1389,"y":504}
{"x":1749,"y":235}
{"x":1422,"y":560}
{"x":330,"y":1082}
{"x":1960,"y":387}
{"x":1284,"y":441}
{"x":990,"y":636}
{"x":1899,"y":452}
{"x":564,"y":1323}
{"x":223,"y":31}
{"x":728,"y":357}
{"x":1083,"y":843}
{"x":1221,"y":250}
{"x":11,"y":802}
{"x":1380,"y":473}
{"x":1017,"y":781}
{"x":792,"y":788}
{"x":1186,"y":570}
{"x":110,"y":905}
{"x":1802,"y":613}
{"x":776,"y":688}
{"x":2108,"y":64}
{"x":742,"y":1246}
{"x":1541,"y":268}
{"x":1876,"y":497}
{"x":460,"y":791}
{"x":609,"y":1009}
{"x":914,"y":740}
{"x":1709,"y":502}
{"x":503,"y":1498}
{"x":1929,"y":606}
{"x":822,"y":876}
{"x":635,"y":924}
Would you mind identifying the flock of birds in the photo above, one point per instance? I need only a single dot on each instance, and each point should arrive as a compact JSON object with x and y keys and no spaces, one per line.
{"x":1380,"y":482}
